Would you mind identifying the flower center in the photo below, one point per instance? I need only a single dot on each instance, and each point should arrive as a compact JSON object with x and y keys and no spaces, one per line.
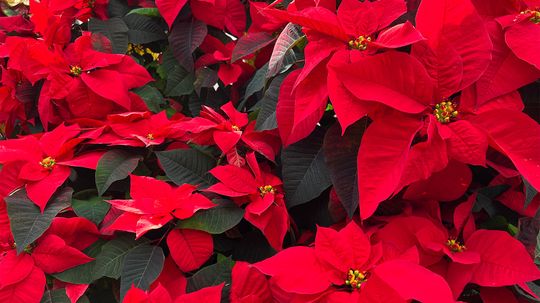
{"x":355,"y":278}
{"x":267,"y":189}
{"x":360,"y":43}
{"x":48,"y":163}
{"x":75,"y":70}
{"x":445,"y":111}
{"x":150,"y":137}
{"x":455,"y":246}
{"x":235,"y":128}
{"x":534,"y":15}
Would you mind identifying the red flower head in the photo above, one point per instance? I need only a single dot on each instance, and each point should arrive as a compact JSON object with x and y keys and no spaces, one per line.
{"x":42,"y":163}
{"x":345,"y":266}
{"x":261,"y":191}
{"x":154,"y":203}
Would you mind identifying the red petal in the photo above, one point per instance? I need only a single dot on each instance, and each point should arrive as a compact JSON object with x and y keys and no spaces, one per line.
{"x":41,"y":191}
{"x":381,"y":159}
{"x":229,"y":73}
{"x":190,"y":248}
{"x":398,"y":36}
{"x":365,"y":18}
{"x":76,"y":232}
{"x":426,"y":286}
{"x":226,"y":140}
{"x":290,"y":267}
{"x":446,"y":185}
{"x":249,"y":285}
{"x":210,"y":294}
{"x":53,"y":255}
{"x":171,"y":278}
{"x":392,"y":78}
{"x":30,"y":290}
{"x":86,"y":160}
{"x":14,"y":268}
{"x":108,"y":84}
{"x":506,"y":128}
{"x":523,"y":38}
{"x":466,"y":143}
{"x":459,"y":48}
{"x":336,"y":249}
{"x":236,"y":178}
{"x":169,"y":9}
{"x":273,"y":223}
{"x":504,"y":260}
{"x":75,"y":291}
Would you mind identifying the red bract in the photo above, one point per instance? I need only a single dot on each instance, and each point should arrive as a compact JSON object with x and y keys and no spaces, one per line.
{"x":249,"y":285}
{"x":226,"y":132}
{"x":486,"y":257}
{"x":57,"y":250}
{"x":160,"y":295}
{"x":262,"y":193}
{"x":329,"y":34}
{"x":154,"y":203}
{"x":344,"y":266}
{"x":83,"y":78}
{"x":42,"y":164}
{"x":217,"y":52}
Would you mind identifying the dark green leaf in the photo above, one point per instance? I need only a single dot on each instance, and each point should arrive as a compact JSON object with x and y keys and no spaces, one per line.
{"x":26,"y":220}
{"x":111,"y":258}
{"x":215,"y":220}
{"x":114,"y":165}
{"x":257,"y":82}
{"x":340,"y":154}
{"x":250,"y":43}
{"x":212,"y":275}
{"x":187,"y":166}
{"x":115,"y":29}
{"x":142,"y":265}
{"x":305,"y":175}
{"x":93,"y":209}
{"x":530,"y":193}
{"x":117,"y":8}
{"x":179,"y":82}
{"x":184,"y":38}
{"x":266,"y":120}
{"x":289,"y":37}
{"x":143,"y":29}
{"x":204,"y":77}
{"x":152,"y":97}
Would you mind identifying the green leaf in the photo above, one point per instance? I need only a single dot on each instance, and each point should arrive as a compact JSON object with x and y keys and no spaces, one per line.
{"x":305,"y":175}
{"x":212,"y":275}
{"x":187,"y":166}
{"x":340,"y":154}
{"x":179,"y":82}
{"x":530,"y":193}
{"x":115,"y":29}
{"x":114,"y":165}
{"x":145,"y":11}
{"x":280,"y":58}
{"x":142,"y":266}
{"x":59,"y":296}
{"x":266,"y":120}
{"x":26,"y":220}
{"x":257,"y":82}
{"x":184,"y":38}
{"x":152,"y":97}
{"x":143,"y":29}
{"x":250,"y":43}
{"x":215,"y":220}
{"x":84,"y":273}
{"x":111,"y":258}
{"x":93,"y":208}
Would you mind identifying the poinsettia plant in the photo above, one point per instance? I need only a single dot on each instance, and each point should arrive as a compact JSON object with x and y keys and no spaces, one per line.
{"x":269,"y":151}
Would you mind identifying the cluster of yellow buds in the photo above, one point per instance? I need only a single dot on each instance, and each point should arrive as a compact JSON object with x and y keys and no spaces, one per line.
{"x":13,"y":3}
{"x":535,"y":15}
{"x":455,"y":246}
{"x":141,"y":51}
{"x":75,"y":70}
{"x":267,"y":189}
{"x":360,"y":43}
{"x":150,"y":137}
{"x":355,"y":278}
{"x":445,"y":111}
{"x":48,"y":163}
